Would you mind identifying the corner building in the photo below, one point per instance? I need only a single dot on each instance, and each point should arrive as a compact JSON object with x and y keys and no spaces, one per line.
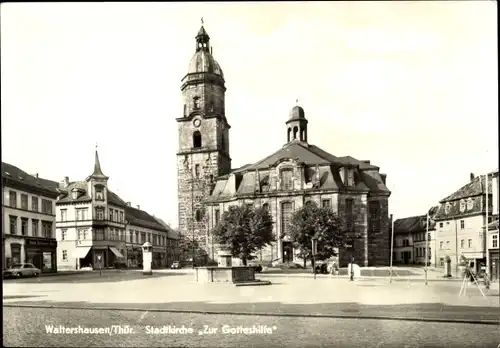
{"x":283,"y":182}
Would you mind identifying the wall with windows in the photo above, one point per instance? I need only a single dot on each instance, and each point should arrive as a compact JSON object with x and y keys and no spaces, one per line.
{"x":28,"y":214}
{"x":460,"y":236}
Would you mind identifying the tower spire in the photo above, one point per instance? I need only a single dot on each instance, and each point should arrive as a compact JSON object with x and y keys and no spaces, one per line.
{"x":202,"y":39}
{"x":97,"y":165}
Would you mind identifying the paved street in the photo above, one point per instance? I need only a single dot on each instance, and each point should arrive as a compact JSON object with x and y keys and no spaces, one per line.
{"x":307,"y":312}
{"x":27,"y":327}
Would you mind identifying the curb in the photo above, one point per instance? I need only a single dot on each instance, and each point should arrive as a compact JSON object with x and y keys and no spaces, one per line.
{"x":264,"y":314}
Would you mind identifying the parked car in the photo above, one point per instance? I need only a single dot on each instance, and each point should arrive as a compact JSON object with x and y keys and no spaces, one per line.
{"x":176,"y":265}
{"x":18,"y":270}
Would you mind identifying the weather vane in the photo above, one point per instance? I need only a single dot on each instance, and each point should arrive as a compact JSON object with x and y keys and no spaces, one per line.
{"x":201,"y":20}
{"x":96,"y":146}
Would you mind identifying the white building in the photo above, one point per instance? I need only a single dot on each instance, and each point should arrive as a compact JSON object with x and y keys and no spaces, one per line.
{"x":28,"y":215}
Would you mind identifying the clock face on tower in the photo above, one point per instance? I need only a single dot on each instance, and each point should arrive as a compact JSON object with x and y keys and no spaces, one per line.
{"x":196,"y":123}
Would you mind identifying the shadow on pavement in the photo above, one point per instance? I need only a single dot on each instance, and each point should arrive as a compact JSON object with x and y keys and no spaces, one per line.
{"x":418,"y":311}
{"x":94,"y":277}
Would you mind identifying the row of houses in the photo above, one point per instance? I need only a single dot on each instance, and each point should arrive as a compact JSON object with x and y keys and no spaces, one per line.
{"x":69,"y":225}
{"x":463,"y":224}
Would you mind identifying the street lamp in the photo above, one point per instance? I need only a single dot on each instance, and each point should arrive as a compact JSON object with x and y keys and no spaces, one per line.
{"x":314,"y":252}
{"x":350,"y":245}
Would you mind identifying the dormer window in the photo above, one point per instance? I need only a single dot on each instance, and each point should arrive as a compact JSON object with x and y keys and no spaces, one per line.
{"x":286,"y":179}
{"x":74,"y":194}
{"x":470,"y":204}
{"x":462,"y":206}
{"x":350,"y":177}
{"x":447,"y":208}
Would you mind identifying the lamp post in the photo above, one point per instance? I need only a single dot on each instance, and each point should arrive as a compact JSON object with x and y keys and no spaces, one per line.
{"x":426,"y":245}
{"x":314,"y":248}
{"x":392,"y":247}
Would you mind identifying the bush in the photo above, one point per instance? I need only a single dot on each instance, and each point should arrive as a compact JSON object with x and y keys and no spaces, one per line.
{"x":289,"y":265}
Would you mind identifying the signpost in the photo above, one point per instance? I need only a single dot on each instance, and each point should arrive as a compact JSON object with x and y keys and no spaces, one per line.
{"x":349,"y":245}
{"x":314,"y":252}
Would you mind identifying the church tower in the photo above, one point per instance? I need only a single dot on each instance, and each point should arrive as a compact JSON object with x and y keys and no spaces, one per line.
{"x":203,"y":142}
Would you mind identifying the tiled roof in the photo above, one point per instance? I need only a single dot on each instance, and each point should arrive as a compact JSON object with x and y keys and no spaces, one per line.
{"x":473,"y":188}
{"x":172,"y":234}
{"x":68,"y":198}
{"x":493,"y":225}
{"x":242,"y":181}
{"x":139,"y":217}
{"x":113,"y":198}
{"x":16,"y":175}
{"x":412,"y":224}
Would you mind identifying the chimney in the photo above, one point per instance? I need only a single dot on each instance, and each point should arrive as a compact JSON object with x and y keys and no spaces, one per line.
{"x":129,"y":204}
{"x":471,"y":176}
{"x":366,"y":161}
{"x":36,"y":176}
{"x":66,"y":181}
{"x":139,"y":207}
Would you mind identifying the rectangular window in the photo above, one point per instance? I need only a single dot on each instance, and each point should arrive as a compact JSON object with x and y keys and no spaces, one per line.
{"x":349,"y":214}
{"x":34,"y":227}
{"x":12,"y":199}
{"x":495,"y":241}
{"x":99,"y":212}
{"x":462,"y":224}
{"x":197,"y":170}
{"x":24,"y":227}
{"x":447,"y":244}
{"x":137,"y":237}
{"x":149,"y":237}
{"x":13,"y":224}
{"x":24,"y":201}
{"x":121,"y":217}
{"x":143,"y":237}
{"x":46,"y":229}
{"x":81,"y":214}
{"x":34,"y":203}
{"x":65,"y":255}
{"x":46,"y":206}
{"x":326,"y":203}
{"x":470,"y":243}
{"x":440,"y":225}
{"x":63,"y":234}
{"x":286,"y":179}
{"x":462,"y":243}
{"x":217,"y":216}
{"x":98,"y":234}
{"x":130,"y":236}
{"x":286,"y":215}
{"x":64,"y":214}
{"x":441,"y":262}
{"x":428,"y":236}
{"x":110,"y":214}
{"x":441,"y":245}
{"x":429,"y":254}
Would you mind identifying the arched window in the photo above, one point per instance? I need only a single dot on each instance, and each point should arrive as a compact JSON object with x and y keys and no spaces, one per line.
{"x":196,"y":139}
{"x":289,"y":133}
{"x":196,"y":102}
{"x":374,"y":216}
{"x":295,"y":131}
{"x":302,"y":134}
{"x":265,"y":206}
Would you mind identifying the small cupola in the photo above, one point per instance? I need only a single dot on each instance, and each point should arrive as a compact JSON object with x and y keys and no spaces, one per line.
{"x":297,"y":125}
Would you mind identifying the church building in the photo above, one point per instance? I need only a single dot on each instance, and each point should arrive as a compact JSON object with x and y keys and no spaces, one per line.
{"x":282,"y":182}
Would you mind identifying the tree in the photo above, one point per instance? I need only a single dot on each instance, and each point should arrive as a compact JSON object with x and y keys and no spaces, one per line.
{"x":323,"y":223}
{"x":244,"y":230}
{"x":188,"y":247}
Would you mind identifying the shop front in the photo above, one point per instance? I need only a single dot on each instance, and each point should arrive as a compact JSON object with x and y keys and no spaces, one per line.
{"x":42,"y":253}
{"x":134,"y":256}
{"x":159,"y":257}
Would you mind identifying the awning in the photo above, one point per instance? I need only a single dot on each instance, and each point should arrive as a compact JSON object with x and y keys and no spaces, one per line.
{"x":115,"y":251}
{"x":81,"y":252}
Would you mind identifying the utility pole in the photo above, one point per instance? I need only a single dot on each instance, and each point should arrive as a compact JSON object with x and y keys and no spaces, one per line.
{"x":392,"y":246}
{"x":426,"y":245}
{"x":486,"y":229}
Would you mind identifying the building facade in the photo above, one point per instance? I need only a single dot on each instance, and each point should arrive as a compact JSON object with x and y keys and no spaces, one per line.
{"x":96,"y":228}
{"x":28,"y":215}
{"x":460,"y":222}
{"x":173,"y":248}
{"x":282,"y":182}
{"x":493,"y":250}
{"x":411,"y":236}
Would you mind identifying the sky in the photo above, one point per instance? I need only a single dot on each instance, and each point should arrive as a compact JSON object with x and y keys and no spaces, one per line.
{"x":411,"y":86}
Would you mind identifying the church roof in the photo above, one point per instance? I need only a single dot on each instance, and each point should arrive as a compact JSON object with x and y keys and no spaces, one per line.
{"x":318,"y":164}
{"x":204,"y":62}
